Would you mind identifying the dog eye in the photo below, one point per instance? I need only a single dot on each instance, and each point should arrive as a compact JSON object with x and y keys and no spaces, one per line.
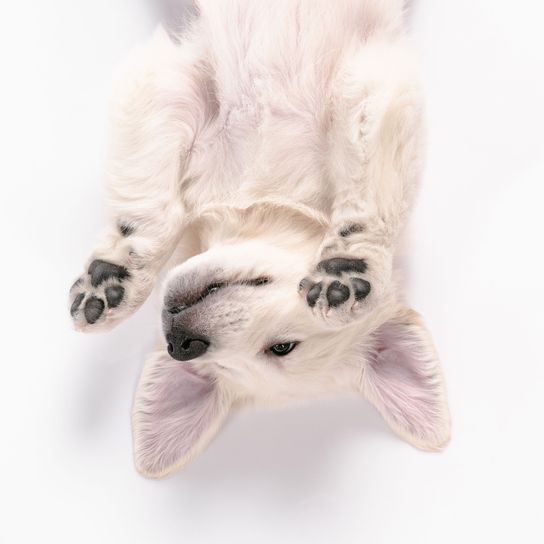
{"x":282,"y":349}
{"x":213,"y":287}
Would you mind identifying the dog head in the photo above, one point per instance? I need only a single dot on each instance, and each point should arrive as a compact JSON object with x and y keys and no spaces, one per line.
{"x":235,"y":312}
{"x":236,"y":330}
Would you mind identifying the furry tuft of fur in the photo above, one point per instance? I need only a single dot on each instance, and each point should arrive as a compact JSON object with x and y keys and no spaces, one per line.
{"x":267,"y":158}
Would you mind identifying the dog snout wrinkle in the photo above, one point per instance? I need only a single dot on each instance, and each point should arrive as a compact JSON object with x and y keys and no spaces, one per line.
{"x":173,"y":307}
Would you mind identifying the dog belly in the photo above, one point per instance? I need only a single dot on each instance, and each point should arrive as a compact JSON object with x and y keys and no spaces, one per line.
{"x":244,"y":161}
{"x":275,"y":73}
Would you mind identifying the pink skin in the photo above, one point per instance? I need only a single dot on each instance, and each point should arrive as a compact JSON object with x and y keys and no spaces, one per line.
{"x":403,"y":380}
{"x":175,"y":408}
{"x":178,"y":409}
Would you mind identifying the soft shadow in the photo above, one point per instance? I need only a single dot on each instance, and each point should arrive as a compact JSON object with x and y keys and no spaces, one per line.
{"x":174,"y":15}
{"x":404,"y":263}
{"x":410,"y":11}
{"x":110,"y":365}
{"x":277,"y":457}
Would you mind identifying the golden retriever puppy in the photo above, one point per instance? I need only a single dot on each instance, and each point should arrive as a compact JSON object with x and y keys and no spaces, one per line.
{"x":267,"y":159}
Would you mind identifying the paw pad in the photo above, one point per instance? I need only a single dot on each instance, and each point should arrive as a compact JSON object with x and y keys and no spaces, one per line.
{"x":313,"y":294}
{"x":101,"y":286}
{"x":93,"y":309}
{"x":76,"y":303}
{"x":101,"y":271}
{"x":352,"y":228}
{"x":336,"y":285}
{"x":114,"y":295}
{"x":338,"y":265}
{"x":337,"y":293}
{"x":361,"y":288}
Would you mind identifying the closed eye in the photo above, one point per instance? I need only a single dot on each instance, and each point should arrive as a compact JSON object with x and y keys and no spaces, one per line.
{"x":212,"y":288}
{"x":176,"y":308}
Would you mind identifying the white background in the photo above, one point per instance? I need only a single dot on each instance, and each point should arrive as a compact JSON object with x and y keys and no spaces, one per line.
{"x":329,"y":472}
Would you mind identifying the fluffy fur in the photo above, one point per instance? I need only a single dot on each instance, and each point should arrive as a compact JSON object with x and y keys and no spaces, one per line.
{"x":269,"y":138}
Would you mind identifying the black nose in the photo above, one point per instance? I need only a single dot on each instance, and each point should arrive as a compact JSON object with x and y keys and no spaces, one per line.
{"x":184,"y":345}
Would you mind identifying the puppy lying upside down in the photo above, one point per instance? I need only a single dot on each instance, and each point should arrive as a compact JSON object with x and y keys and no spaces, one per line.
{"x":267,"y":159}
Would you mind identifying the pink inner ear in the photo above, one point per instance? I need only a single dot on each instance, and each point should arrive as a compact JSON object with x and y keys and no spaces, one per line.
{"x":176,"y":411}
{"x":404,"y":382}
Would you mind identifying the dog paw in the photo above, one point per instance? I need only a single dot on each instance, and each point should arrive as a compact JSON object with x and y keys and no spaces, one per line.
{"x":337,"y":289}
{"x":103,"y":295}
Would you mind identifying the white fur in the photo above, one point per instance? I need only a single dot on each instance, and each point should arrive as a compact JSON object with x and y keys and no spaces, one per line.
{"x":246,"y":148}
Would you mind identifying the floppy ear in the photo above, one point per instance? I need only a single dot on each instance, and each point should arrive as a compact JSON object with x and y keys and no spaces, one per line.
{"x":177,"y":411}
{"x":403,"y":380}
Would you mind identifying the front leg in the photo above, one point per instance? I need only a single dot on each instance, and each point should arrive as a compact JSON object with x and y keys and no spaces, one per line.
{"x":120,"y":274}
{"x":163,"y":104}
{"x":375,"y":167}
{"x":352,"y":275}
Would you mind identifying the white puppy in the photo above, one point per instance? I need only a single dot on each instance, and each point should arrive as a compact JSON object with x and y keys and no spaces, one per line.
{"x":274,"y":152}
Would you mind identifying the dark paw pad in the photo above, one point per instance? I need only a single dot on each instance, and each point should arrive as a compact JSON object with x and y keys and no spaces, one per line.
{"x":77,"y":283}
{"x":77,"y":303}
{"x":337,"y":294}
{"x":337,"y":265}
{"x":114,"y":295}
{"x":126,"y":229}
{"x":93,"y":309}
{"x":361,"y":288}
{"x":350,"y":229}
{"x":313,"y":294}
{"x":100,"y":271}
